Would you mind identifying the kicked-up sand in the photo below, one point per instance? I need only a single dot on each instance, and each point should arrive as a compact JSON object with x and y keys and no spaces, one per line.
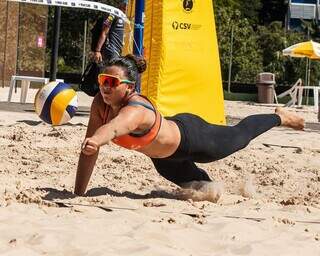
{"x":271,"y":203}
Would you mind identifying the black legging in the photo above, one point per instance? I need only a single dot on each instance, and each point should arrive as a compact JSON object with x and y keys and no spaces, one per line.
{"x":202,"y":142}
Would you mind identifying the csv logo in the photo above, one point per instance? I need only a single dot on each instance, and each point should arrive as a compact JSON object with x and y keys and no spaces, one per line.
{"x":181,"y":25}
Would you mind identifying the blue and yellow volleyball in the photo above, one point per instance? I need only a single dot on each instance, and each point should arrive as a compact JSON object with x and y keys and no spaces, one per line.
{"x":56,"y":103}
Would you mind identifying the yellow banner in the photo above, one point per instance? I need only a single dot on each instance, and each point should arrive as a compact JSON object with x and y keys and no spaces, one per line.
{"x":184,"y":67}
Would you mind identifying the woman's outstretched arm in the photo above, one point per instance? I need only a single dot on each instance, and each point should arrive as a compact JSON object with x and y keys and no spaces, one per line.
{"x":128,"y":120}
{"x":86,"y":162}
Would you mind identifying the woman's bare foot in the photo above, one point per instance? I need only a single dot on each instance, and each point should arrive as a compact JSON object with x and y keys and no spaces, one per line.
{"x":290,"y":119}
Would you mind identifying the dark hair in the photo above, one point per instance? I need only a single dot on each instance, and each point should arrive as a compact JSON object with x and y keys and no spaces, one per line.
{"x":131,"y":64}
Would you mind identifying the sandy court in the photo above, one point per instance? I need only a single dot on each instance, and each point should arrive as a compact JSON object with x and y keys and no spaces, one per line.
{"x":131,"y":210}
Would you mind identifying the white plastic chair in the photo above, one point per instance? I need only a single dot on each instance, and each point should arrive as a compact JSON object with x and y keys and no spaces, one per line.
{"x":294,"y":92}
{"x":25,"y":84}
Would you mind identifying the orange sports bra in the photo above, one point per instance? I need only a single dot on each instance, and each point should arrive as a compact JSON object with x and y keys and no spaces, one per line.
{"x":137,"y":140}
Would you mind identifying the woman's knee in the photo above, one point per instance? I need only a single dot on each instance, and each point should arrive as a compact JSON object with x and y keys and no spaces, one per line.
{"x":179,"y":172}
{"x":165,"y":169}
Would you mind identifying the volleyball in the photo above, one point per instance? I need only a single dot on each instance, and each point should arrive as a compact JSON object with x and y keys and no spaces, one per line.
{"x":56,"y":103}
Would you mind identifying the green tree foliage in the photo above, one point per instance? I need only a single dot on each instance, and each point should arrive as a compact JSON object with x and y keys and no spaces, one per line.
{"x":272,"y":40}
{"x":248,"y":9}
{"x":247,"y":58}
{"x":259,"y":38}
{"x":311,"y":29}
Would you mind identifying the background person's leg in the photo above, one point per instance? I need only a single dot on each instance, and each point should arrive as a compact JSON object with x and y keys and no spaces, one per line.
{"x":179,"y":172}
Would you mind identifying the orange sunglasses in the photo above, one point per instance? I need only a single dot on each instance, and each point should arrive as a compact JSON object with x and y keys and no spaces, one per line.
{"x":111,"y":81}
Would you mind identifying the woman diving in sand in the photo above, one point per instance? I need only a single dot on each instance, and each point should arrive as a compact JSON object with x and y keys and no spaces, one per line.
{"x":174,"y":144}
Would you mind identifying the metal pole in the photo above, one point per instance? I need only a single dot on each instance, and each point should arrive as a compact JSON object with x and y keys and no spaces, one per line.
{"x":230,"y":61}
{"x":306,"y":78}
{"x":288,"y":16}
{"x":138,"y":28}
{"x":18,"y":48}
{"x":308,"y":84}
{"x":5,"y":46}
{"x":84,"y":45}
{"x":317,"y":13}
{"x":307,"y":69}
{"x":138,"y":35}
{"x":55,"y":44}
{"x":309,"y":72}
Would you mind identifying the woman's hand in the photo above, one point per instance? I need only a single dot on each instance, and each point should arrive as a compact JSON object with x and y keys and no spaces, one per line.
{"x":89,"y":146}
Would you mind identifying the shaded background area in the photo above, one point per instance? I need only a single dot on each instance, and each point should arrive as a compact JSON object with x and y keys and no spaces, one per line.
{"x":259,"y":36}
{"x":75,"y":37}
{"x":22,"y":40}
{"x":26,"y":40}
